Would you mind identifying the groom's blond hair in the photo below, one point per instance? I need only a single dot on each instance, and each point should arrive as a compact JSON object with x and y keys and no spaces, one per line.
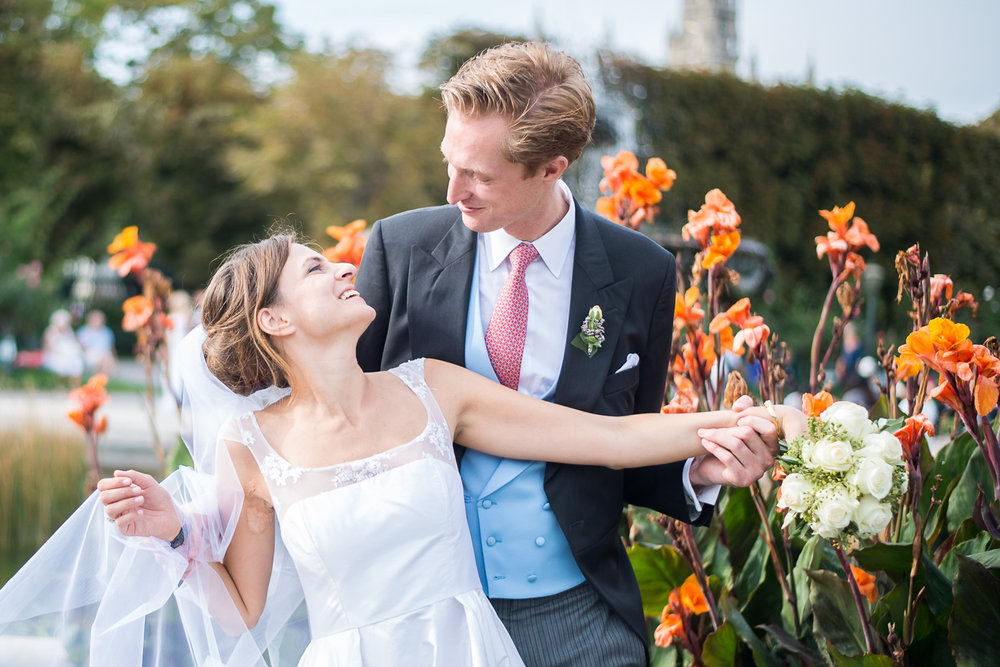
{"x":541,"y":92}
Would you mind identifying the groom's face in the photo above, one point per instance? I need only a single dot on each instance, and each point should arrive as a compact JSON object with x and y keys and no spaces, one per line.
{"x":491,"y":192}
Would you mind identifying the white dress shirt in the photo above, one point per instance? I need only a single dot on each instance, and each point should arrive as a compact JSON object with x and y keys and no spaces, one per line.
{"x":550,"y":283}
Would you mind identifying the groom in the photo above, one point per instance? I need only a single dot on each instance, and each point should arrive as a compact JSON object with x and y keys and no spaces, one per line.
{"x":500,"y":281}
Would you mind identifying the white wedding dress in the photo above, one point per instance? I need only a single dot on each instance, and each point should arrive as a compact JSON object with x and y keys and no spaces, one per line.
{"x":383,"y":551}
{"x":379,"y":550}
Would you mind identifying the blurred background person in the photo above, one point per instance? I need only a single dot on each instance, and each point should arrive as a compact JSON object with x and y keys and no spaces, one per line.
{"x":61,"y":351}
{"x":98,"y":343}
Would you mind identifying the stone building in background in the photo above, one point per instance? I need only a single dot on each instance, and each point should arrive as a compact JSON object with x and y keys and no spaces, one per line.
{"x":706,"y":40}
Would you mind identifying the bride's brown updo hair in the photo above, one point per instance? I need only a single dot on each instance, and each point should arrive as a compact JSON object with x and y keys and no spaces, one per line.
{"x":243,"y":357}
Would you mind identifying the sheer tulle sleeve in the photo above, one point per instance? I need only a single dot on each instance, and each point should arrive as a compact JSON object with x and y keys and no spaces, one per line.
{"x":91,"y":596}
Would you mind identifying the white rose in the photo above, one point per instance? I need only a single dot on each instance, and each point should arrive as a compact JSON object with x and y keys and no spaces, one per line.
{"x":871,"y":516}
{"x":834,"y":511}
{"x":796,"y":493}
{"x":852,"y":417}
{"x":831,"y":455}
{"x":874,"y":477}
{"x":885,"y":444}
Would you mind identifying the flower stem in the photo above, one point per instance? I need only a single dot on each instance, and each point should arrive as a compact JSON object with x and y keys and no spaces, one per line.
{"x":858,"y":603}
{"x":95,"y":466}
{"x":779,"y":569}
{"x":817,"y":342}
{"x":689,"y":549}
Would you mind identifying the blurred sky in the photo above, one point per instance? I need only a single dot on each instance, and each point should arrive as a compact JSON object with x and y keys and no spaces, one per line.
{"x":925,"y":53}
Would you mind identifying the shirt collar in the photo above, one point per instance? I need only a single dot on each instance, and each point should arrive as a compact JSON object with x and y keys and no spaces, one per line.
{"x":553,"y":246}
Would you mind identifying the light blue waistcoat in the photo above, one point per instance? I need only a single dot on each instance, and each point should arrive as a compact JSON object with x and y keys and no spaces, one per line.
{"x":520,"y":550}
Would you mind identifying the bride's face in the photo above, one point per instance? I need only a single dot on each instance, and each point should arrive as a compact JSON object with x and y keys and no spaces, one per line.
{"x":317,"y":297}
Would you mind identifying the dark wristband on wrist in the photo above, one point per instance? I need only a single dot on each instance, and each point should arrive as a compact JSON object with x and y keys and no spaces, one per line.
{"x":179,"y":540}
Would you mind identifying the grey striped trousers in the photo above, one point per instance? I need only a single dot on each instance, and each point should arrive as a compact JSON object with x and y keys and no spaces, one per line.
{"x":575,"y":628}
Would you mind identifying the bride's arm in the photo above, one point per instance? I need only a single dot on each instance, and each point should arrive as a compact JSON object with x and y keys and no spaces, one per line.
{"x":141,"y":507}
{"x":486,"y":416}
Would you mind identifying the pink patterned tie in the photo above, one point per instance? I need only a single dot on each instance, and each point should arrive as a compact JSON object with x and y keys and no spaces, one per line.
{"x":509,"y":322}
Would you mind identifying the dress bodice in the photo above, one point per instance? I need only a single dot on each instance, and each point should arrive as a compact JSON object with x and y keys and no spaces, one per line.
{"x":377,"y":540}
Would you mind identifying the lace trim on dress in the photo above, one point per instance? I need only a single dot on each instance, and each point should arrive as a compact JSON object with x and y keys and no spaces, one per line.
{"x":290,"y":483}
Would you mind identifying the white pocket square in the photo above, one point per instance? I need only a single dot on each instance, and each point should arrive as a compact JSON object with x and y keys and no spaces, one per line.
{"x":631,"y":361}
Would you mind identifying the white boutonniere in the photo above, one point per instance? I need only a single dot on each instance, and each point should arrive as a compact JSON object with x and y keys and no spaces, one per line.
{"x":591,"y":334}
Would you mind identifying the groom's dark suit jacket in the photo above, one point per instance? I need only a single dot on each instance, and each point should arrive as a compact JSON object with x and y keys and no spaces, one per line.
{"x":417,"y":273}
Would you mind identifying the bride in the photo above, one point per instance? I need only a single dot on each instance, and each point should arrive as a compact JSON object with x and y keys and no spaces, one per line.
{"x":355,"y":473}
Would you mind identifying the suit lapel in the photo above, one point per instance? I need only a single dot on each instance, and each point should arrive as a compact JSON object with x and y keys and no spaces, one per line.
{"x":581,"y":379}
{"x":437,"y":305}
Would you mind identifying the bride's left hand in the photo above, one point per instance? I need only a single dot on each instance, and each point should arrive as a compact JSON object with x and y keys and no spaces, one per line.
{"x":139,"y":505}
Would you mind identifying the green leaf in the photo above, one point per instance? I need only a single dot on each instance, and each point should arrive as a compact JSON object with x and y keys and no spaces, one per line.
{"x":658,"y":572}
{"x":867,"y":660}
{"x":810,"y":558}
{"x":752,"y":574}
{"x":975,"y":618}
{"x":762,"y":603}
{"x":721,"y":647}
{"x":786,"y":641}
{"x":988,"y":559}
{"x":896,"y":560}
{"x":761,"y":656}
{"x":835,"y":617}
{"x":893,"y":559}
{"x":963,"y":498}
{"x":742,"y":525}
{"x":663,"y":657}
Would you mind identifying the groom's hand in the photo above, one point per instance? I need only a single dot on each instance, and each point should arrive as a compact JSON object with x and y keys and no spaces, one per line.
{"x":739,"y":455}
{"x":139,"y":505}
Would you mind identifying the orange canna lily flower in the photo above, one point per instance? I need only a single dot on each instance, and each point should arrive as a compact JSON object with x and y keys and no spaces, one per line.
{"x":778,"y":474}
{"x":981,"y":368}
{"x":941,"y":289}
{"x":738,"y":314}
{"x":350,"y":229}
{"x":687,"y":308}
{"x":814,"y":406}
{"x":752,"y":335}
{"x":866,"y":583}
{"x":606,"y":207}
{"x":641,"y":191}
{"x":659,"y":174}
{"x":138,"y":310}
{"x":616,"y":170}
{"x":945,"y":334}
{"x":945,"y":393}
{"x":721,"y":248}
{"x":716,"y":216}
{"x":90,"y":397}
{"x":843,"y":242}
{"x":671,"y":627}
{"x":908,"y":365}
{"x":838,"y":217}
{"x":128,"y":253}
{"x":351,"y":245}
{"x":859,"y":236}
{"x":831,"y":245}
{"x":685,"y":399}
{"x":854,"y":265}
{"x":690,"y":596}
{"x":913,"y":431}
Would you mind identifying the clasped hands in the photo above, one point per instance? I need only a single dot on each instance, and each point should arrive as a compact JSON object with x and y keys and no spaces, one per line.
{"x":740,"y":455}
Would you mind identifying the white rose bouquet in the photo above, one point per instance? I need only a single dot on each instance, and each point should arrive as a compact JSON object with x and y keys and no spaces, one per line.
{"x":844,"y":475}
